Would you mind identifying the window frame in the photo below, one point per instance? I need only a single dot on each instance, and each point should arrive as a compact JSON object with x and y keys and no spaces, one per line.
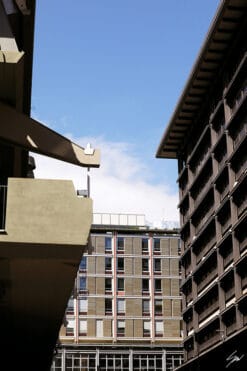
{"x":121,"y":330}
{"x":108,"y":244}
{"x":120,"y":279}
{"x":120,"y":244}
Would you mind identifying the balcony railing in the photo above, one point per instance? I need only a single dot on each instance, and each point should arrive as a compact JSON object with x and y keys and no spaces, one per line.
{"x":3,"y":199}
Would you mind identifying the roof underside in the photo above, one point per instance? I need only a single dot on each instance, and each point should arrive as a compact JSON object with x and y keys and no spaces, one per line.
{"x":204,"y":72}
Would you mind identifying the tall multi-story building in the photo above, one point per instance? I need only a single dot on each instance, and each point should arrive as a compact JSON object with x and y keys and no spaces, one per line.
{"x":207,"y":134}
{"x":125,"y":310}
{"x":44,"y":225}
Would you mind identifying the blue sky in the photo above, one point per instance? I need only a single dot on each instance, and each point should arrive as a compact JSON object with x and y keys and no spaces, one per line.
{"x":112,"y":71}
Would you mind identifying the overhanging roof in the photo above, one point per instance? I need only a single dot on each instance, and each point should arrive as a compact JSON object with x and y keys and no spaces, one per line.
{"x":203,"y":74}
{"x":21,"y":130}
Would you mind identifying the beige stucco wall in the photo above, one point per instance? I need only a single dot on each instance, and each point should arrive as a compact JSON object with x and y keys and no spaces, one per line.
{"x":46,"y":212}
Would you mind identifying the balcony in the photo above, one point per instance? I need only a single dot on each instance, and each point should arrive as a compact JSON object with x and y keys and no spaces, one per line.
{"x":202,"y":182}
{"x":205,"y":241}
{"x":227,"y":284}
{"x":218,"y":120}
{"x":200,"y":151}
{"x":238,"y":159}
{"x":206,"y":272}
{"x":241,"y":233}
{"x":224,"y":216}
{"x":46,"y":232}
{"x":189,"y":347}
{"x":203,"y":211}
{"x":208,"y":335}
{"x":229,"y":319}
{"x":239,"y":195}
{"x":222,"y":183}
{"x":220,"y":152}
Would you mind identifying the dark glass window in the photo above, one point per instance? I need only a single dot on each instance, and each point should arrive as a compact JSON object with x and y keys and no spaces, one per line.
{"x":120,"y":264}
{"x":83,"y":264}
{"x":120,"y":244}
{"x":108,"y":264}
{"x":108,"y":306}
{"x":156,"y":244}
{"x":145,"y":285}
{"x":157,"y":265}
{"x":144,"y":245}
{"x":145,"y":267}
{"x":108,"y":244}
{"x":108,"y":284}
{"x":120,"y":284}
{"x":157,"y":285}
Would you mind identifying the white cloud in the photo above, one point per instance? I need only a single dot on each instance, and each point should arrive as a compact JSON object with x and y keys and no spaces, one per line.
{"x":121,"y":184}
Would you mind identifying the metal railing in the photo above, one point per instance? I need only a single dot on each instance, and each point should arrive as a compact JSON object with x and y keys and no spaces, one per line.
{"x":3,"y":201}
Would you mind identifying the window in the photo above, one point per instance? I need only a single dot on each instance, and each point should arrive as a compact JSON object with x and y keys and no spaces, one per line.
{"x":108,"y":306}
{"x":145,"y":285}
{"x":108,"y":264}
{"x":146,"y":306}
{"x":158,"y":307}
{"x":144,"y":245}
{"x":83,"y":305}
{"x":82,"y":328}
{"x":157,"y":285}
{"x":156,"y":245}
{"x":157,"y":265}
{"x":108,"y":244}
{"x":108,"y":284}
{"x":70,"y":306}
{"x":120,"y":244}
{"x":146,"y":328}
{"x":83,"y":264}
{"x":70,"y":327}
{"x":145,"y":267}
{"x":99,"y":328}
{"x":120,"y":328}
{"x":120,"y":284}
{"x":82,"y":284}
{"x":120,"y":306}
{"x":120,"y":264}
{"x":158,"y":328}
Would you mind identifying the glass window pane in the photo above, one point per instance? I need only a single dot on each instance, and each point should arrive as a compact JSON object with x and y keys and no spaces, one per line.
{"x":146,"y":306}
{"x":157,"y":284}
{"x":156,"y":244}
{"x":158,"y":327}
{"x":83,"y":263}
{"x":83,"y":305}
{"x":82,"y":327}
{"x":83,"y":283}
{"x":145,"y":267}
{"x":108,"y":305}
{"x":144,"y":244}
{"x":145,"y":285}
{"x":108,"y":243}
{"x":120,"y":264}
{"x":108,"y":263}
{"x":120,"y":305}
{"x":120,"y":284}
{"x":157,"y":265}
{"x":120,"y":243}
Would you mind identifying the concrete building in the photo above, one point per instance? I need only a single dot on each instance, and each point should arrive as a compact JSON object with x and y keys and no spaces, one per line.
{"x":44,"y":225}
{"x":125,"y":310}
{"x":207,"y":134}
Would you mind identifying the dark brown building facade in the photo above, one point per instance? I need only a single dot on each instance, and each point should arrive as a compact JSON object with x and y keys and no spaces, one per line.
{"x":207,"y":134}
